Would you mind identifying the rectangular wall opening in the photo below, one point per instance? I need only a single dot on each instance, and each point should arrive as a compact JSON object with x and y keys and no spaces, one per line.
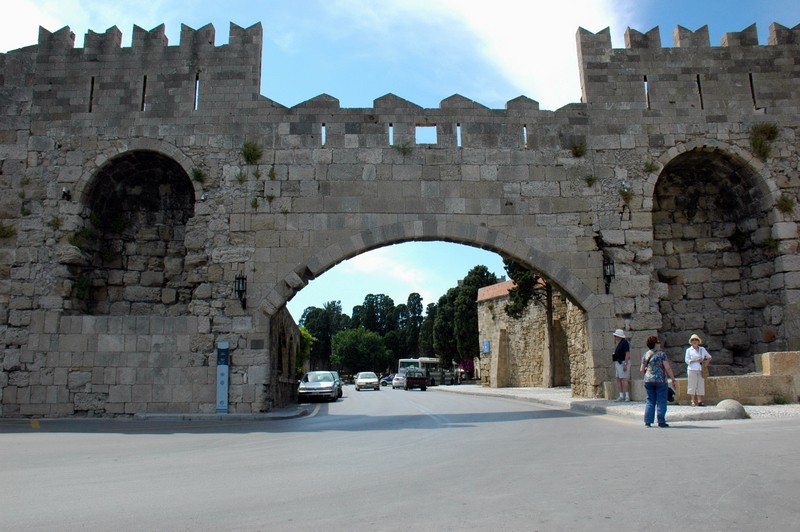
{"x":197,"y":91}
{"x":426,"y":134}
{"x":458,"y":135}
{"x":700,"y":91}
{"x":323,"y":135}
{"x":391,"y":135}
{"x":646,"y":93}
{"x":144,"y":94}
{"x":753,"y":91}
{"x":525,"y":135}
{"x":91,"y":94}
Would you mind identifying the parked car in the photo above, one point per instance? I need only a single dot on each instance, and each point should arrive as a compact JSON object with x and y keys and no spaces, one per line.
{"x":387,"y":380}
{"x":321,"y":384}
{"x":416,"y":378}
{"x":338,"y":381}
{"x":367,"y":379}
{"x":398,"y":381}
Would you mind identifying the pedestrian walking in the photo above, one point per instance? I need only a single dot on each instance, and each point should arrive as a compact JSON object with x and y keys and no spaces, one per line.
{"x":622,"y":365}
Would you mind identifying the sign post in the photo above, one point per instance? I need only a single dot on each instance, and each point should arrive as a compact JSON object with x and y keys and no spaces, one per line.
{"x":223,"y":356}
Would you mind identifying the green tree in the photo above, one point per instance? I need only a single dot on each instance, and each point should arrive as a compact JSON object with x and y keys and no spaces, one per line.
{"x":412,"y":324}
{"x":526,"y":282}
{"x":426,"y":332}
{"x":358,"y":350}
{"x":465,"y":312}
{"x":444,"y":342}
{"x":323,"y":323}
{"x":303,"y":351}
{"x":377,"y":314}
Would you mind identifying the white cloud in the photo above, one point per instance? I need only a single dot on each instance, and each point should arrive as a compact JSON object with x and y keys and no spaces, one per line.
{"x":532,"y":44}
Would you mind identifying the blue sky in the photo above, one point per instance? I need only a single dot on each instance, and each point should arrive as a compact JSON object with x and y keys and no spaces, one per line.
{"x":421,"y":50}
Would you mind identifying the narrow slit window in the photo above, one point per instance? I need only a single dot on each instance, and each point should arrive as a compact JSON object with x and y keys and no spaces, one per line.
{"x":144,"y":94}
{"x":458,"y":135}
{"x":700,"y":91}
{"x":323,"y":134}
{"x":426,"y":134}
{"x":91,"y":94}
{"x":646,"y":93}
{"x":391,"y":135}
{"x":753,"y":91}
{"x":196,"y":91}
{"x":525,"y":136}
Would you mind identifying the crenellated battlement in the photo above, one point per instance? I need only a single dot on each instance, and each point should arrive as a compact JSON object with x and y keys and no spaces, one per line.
{"x":739,"y":73}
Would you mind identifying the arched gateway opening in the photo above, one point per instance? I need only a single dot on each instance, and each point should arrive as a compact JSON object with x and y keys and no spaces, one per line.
{"x":572,"y":295}
{"x":712,"y":250}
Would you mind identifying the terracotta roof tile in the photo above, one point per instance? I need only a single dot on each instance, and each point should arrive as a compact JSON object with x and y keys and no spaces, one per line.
{"x":494,"y":291}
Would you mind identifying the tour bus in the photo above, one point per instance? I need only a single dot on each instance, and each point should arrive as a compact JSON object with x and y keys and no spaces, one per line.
{"x":432,"y":367}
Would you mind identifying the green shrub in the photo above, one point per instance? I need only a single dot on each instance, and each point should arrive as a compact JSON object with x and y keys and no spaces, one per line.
{"x":578,"y":150}
{"x":591,"y":180}
{"x":198,"y":175}
{"x":785,"y":204}
{"x":650,"y":167}
{"x":252,"y":152}
{"x":761,"y":137}
{"x":254,"y":203}
{"x":626,"y":194}
{"x":7,"y":231}
{"x":55,"y":222}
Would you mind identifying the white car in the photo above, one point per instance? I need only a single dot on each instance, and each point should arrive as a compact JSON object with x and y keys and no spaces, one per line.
{"x":399,"y":381}
{"x":367,"y":379}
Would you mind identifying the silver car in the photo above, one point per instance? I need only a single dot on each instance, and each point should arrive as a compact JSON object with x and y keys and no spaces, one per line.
{"x":399,"y":381}
{"x":367,"y":379}
{"x":320,"y":384}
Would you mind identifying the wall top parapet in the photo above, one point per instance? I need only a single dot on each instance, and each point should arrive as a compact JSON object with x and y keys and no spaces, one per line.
{"x":685,"y":38}
{"x":190,"y":39}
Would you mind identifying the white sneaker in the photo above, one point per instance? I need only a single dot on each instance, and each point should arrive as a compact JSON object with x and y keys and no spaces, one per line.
{"x":620,"y":399}
{"x":627,"y":398}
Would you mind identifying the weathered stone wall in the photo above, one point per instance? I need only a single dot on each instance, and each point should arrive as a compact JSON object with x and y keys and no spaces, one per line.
{"x":520,"y":346}
{"x":126,"y":196}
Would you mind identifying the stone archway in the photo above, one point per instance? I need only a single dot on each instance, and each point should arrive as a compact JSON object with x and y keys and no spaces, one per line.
{"x":135,"y":210}
{"x":712,"y":253}
{"x":589,"y":365}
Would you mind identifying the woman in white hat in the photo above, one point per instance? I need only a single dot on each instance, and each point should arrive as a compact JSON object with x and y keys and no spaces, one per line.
{"x":696,"y":357}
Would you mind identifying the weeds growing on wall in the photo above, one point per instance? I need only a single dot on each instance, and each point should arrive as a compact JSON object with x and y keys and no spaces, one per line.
{"x":590,"y":180}
{"x":785,"y":204}
{"x":198,"y":175}
{"x":650,"y":167}
{"x":252,"y":152}
{"x":761,"y":137}
{"x":578,"y":150}
{"x":7,"y":231}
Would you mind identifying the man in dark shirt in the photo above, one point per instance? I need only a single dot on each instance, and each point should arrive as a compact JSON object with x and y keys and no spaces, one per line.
{"x":622,"y":365}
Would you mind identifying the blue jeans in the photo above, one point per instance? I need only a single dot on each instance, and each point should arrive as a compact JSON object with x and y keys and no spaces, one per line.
{"x":656,"y":398}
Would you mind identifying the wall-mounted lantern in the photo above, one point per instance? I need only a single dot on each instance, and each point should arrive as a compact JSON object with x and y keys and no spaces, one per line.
{"x":608,"y":272}
{"x":66,"y":194}
{"x":240,"y":287}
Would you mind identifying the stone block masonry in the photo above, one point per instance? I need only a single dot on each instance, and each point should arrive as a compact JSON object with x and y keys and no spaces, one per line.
{"x":130,"y":209}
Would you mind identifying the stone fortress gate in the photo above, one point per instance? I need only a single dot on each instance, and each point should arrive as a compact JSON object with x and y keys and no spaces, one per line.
{"x":140,"y":182}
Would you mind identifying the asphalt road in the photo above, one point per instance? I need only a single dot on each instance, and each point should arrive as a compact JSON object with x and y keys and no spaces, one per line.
{"x":401,"y":460}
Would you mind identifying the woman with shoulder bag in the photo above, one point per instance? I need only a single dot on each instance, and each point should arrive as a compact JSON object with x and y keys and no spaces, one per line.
{"x":655,"y":368}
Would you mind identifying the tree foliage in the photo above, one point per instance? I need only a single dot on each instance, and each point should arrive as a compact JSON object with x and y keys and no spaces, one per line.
{"x":358,"y":350}
{"x":525,"y":288}
{"x":303,"y":351}
{"x":323,"y":323}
